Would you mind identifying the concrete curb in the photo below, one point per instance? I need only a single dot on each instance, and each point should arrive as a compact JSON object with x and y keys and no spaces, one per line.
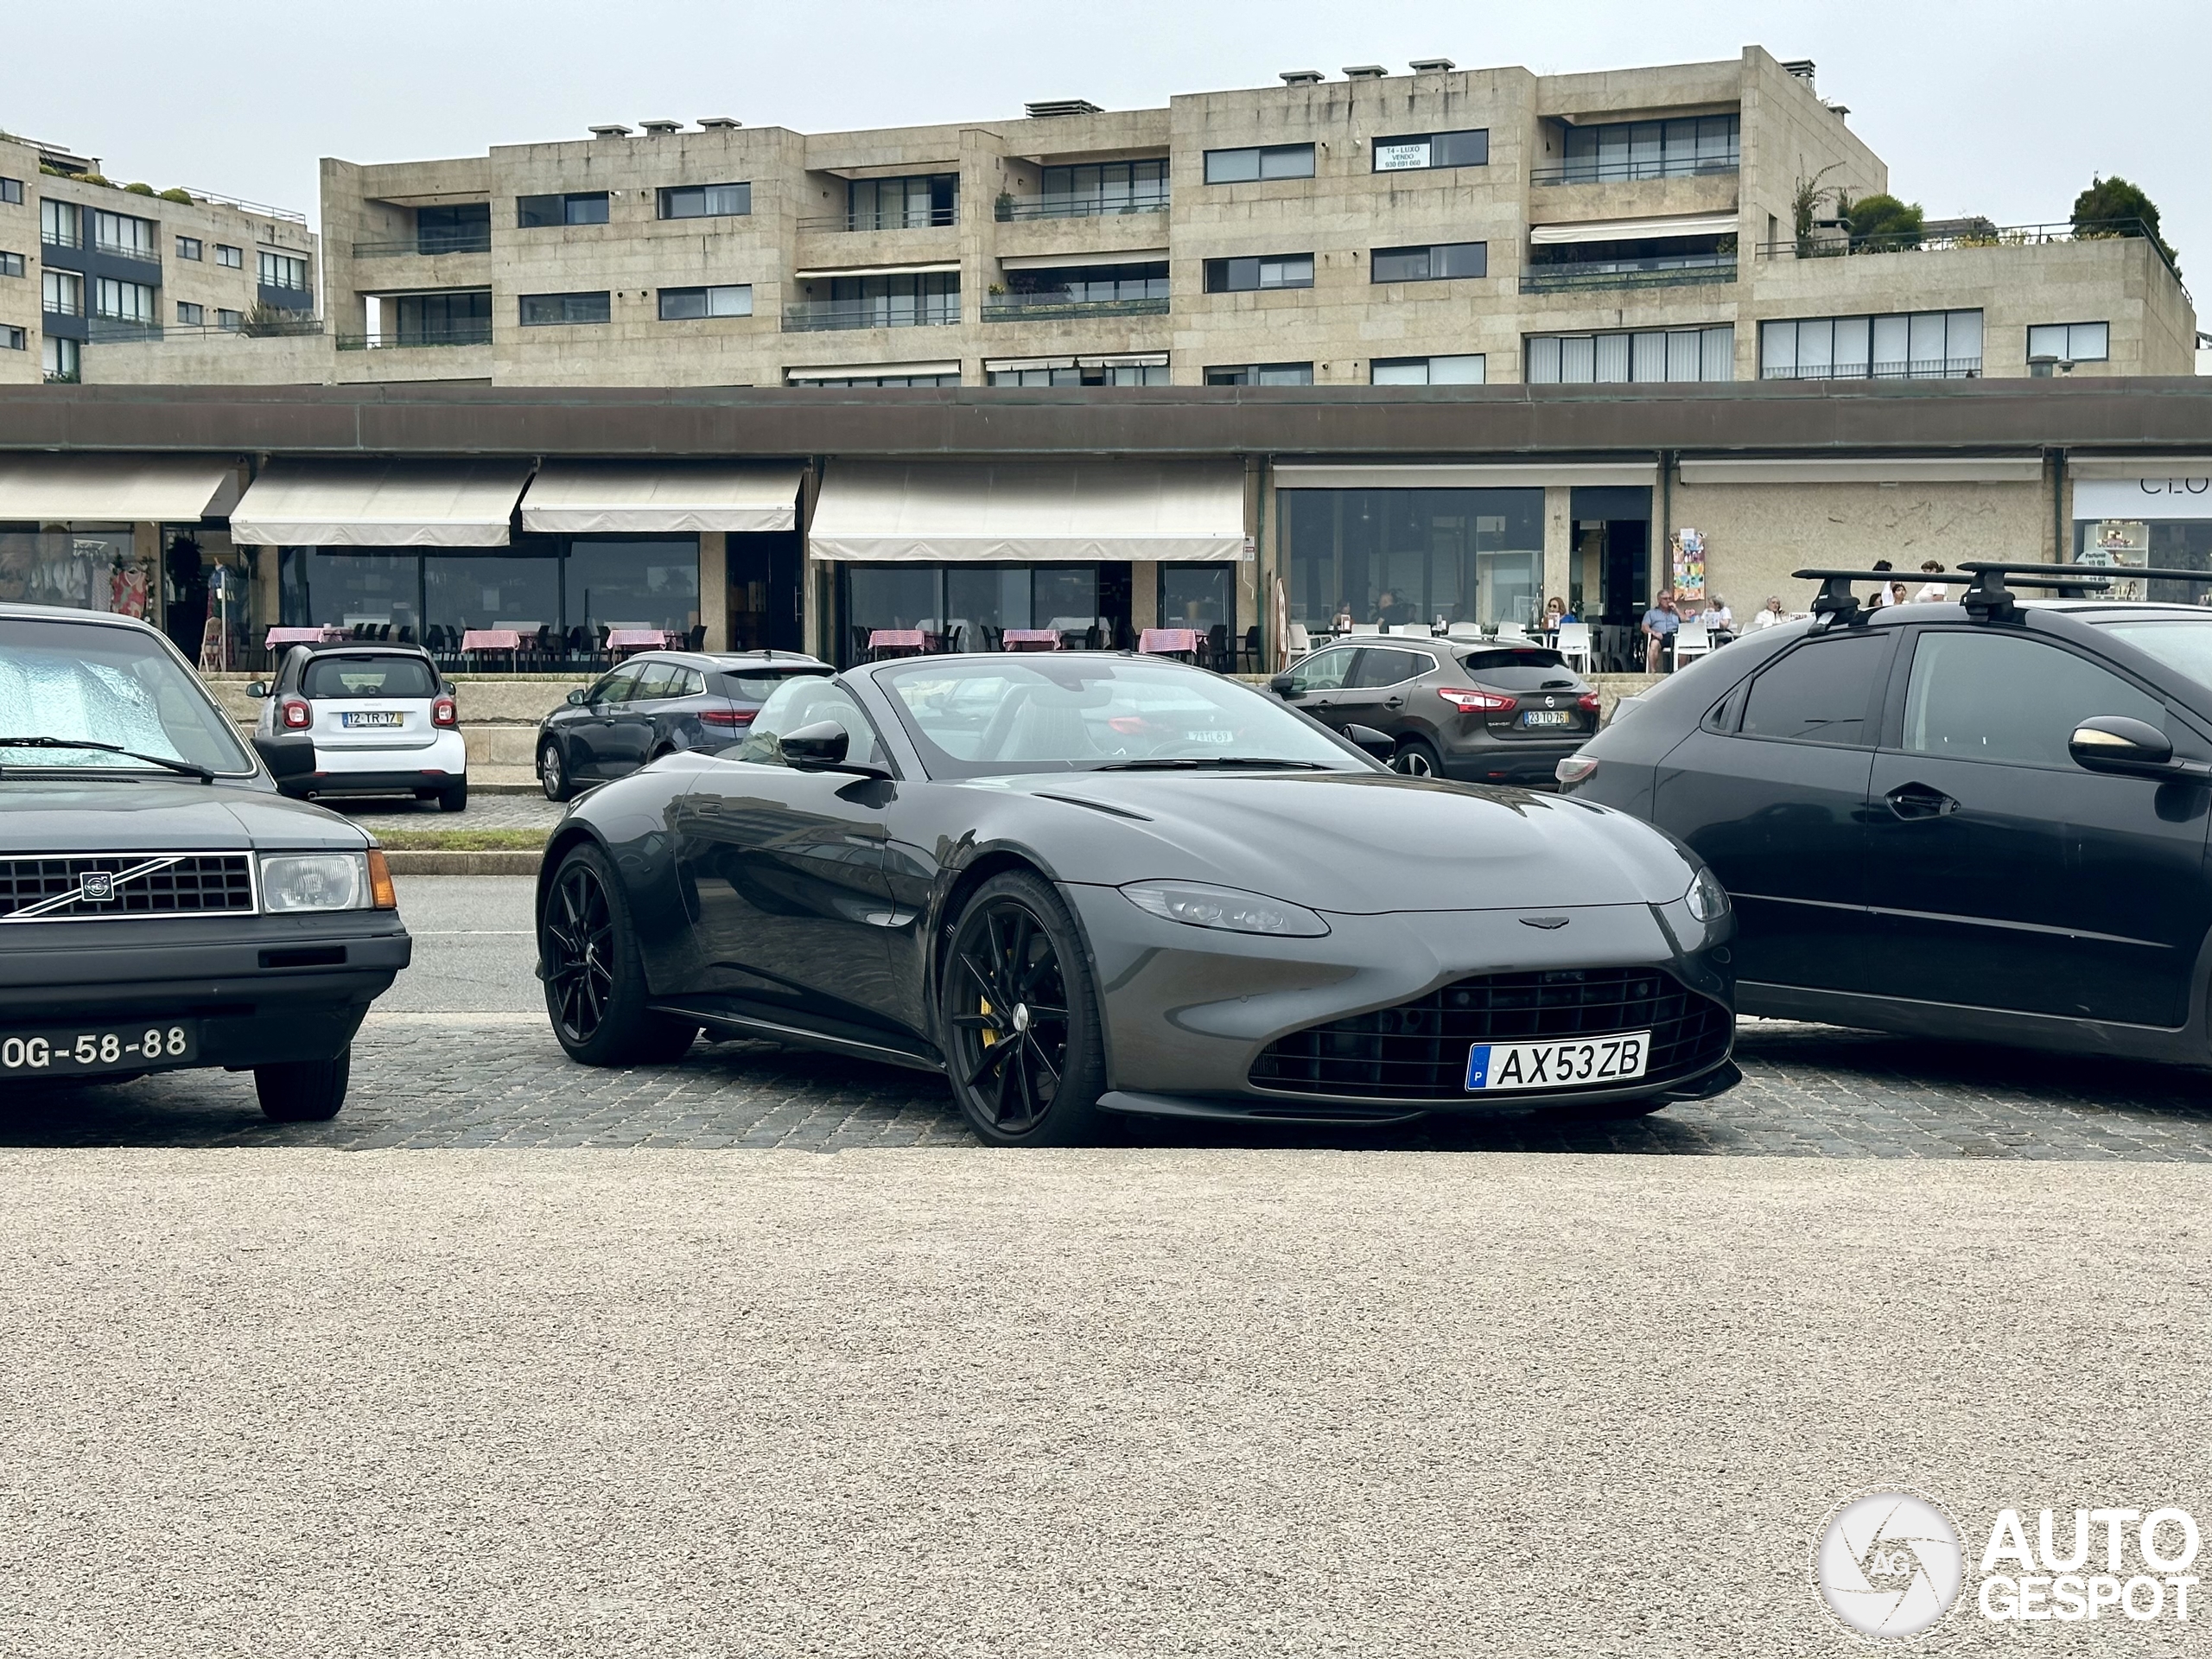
{"x":481,"y":863}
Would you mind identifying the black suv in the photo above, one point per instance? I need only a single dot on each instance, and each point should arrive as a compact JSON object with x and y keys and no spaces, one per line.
{"x":161,"y":905}
{"x":1985,"y":822}
{"x":657,"y":703}
{"x":1478,"y":711}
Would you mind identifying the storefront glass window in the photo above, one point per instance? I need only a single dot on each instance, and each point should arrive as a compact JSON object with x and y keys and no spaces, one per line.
{"x":1409,"y":557}
{"x":653,"y":584}
{"x":353,"y":588}
{"x":968,"y":607}
{"x":491,"y":590}
{"x":1201,"y":597}
{"x":83,"y":567}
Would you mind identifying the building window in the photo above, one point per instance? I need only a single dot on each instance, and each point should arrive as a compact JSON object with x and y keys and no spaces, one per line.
{"x":121,"y":302}
{"x":1648,"y":149}
{"x":188,"y":247}
{"x":1462,"y":371}
{"x":907,"y":204}
{"x":1437,"y":263}
{"x":1410,"y":557}
{"x":1261,"y":374}
{"x":728,"y":299}
{"x":1641,"y":355}
{"x":14,"y":339}
{"x":1269,"y":270}
{"x":464,"y":228}
{"x":61,"y":293}
{"x":1127,"y":290}
{"x":11,"y":190}
{"x":225,"y":255}
{"x":1079,"y":371}
{"x":580,"y":207}
{"x":461,"y":318}
{"x":191,"y":315}
{"x":706,"y":200}
{"x":61,"y":359}
{"x":1469,"y":148}
{"x":61,"y":223}
{"x":910,"y":299}
{"x":226,"y":318}
{"x":124,"y":234}
{"x":1264,"y":162}
{"x":11,"y":264}
{"x":540,"y":309}
{"x":2070,"y":342}
{"x":1914,"y":346}
{"x":933,"y":377}
{"x":1103,"y":187}
{"x":282,"y":270}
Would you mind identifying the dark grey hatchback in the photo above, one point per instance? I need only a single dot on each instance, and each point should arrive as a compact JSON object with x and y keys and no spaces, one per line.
{"x":659,"y":702}
{"x":1472,"y":710}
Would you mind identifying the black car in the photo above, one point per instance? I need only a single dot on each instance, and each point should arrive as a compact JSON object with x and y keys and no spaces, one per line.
{"x":1079,"y":883}
{"x":659,"y":702}
{"x":1984,"y":822}
{"x":161,"y":906}
{"x":1482,"y":711}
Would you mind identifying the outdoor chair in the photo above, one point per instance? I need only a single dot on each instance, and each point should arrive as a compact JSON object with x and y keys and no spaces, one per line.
{"x":1464,"y":631}
{"x":1301,"y":642}
{"x":1692,"y":640}
{"x":1574,"y":645}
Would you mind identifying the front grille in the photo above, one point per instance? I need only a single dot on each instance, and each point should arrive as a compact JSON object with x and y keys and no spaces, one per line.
{"x":1418,"y":1050}
{"x":52,"y":888}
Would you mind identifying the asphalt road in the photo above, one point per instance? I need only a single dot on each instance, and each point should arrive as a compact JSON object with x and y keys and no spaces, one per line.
{"x":474,"y":946}
{"x":1104,"y":1403}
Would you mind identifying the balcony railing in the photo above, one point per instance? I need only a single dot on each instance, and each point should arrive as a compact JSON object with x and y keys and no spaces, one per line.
{"x":1043,"y":307}
{"x":116,"y":331}
{"x":1933,"y":368}
{"x":459,"y":334}
{"x":1646,"y":167}
{"x":427,"y":247}
{"x":1664,"y":270}
{"x":931,"y":219}
{"x":1838,"y":245}
{"x":49,"y":237}
{"x":1072,"y":207}
{"x":138,"y":251}
{"x":815,"y":317}
{"x":66,"y":308}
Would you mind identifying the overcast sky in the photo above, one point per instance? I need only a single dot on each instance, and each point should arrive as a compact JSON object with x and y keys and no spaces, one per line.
{"x":2001,"y":109}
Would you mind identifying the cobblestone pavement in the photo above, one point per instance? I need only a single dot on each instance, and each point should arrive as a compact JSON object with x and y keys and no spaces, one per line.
{"x":425,"y":1080}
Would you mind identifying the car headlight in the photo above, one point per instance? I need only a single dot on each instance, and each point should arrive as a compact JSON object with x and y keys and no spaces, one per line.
{"x":292,"y":881}
{"x":1706,"y":899}
{"x":1197,"y":905}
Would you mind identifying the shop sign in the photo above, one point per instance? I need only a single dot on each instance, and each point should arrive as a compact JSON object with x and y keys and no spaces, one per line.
{"x":2152,"y":498}
{"x":1396,"y":158}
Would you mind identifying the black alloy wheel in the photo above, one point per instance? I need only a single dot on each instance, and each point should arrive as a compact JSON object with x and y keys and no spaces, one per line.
{"x":594,"y":978}
{"x":1417,"y":758}
{"x":553,"y":772}
{"x":1021,"y":1024}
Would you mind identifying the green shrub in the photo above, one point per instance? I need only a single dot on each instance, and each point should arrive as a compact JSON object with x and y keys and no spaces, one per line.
{"x":175,"y":194}
{"x":139,"y":188}
{"x":1881,"y":221}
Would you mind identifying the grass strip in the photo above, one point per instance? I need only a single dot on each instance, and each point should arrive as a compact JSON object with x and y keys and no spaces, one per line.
{"x":459,"y":840}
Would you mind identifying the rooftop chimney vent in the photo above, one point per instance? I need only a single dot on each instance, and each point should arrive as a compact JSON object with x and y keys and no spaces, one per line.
{"x":610,"y":129}
{"x":1801,"y":67}
{"x":1365,"y":71}
{"x":1301,"y":77}
{"x":1050,"y":108}
{"x":661,"y":129}
{"x":1432,"y":66}
{"x":720,"y":123}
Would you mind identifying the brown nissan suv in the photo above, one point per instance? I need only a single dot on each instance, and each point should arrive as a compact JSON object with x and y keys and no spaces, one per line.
{"x":1473,"y":710}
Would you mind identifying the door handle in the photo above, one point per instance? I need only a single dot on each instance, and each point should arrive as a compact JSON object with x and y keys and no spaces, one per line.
{"x":1916,"y":802}
{"x":1393,"y":703}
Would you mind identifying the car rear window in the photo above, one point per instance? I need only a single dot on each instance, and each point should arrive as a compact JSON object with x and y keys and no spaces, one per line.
{"x":755,"y":683}
{"x":330,"y":678}
{"x":1518,"y":668}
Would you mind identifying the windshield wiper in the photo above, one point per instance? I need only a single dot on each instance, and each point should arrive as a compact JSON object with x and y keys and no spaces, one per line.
{"x":189,"y":768}
{"x":1192,"y":762}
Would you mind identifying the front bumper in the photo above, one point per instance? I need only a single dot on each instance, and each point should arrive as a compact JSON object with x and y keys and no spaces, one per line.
{"x":1188,"y":1011}
{"x":264,"y":989}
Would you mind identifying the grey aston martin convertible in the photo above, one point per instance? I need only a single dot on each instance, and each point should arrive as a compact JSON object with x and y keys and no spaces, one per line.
{"x":1082,"y":883}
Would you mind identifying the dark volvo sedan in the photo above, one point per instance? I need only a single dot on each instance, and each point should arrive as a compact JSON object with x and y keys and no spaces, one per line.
{"x":161,"y":906}
{"x":1981,"y":821}
{"x":657,"y":703}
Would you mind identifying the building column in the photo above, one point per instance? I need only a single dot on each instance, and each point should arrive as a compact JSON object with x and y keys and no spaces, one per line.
{"x":1558,"y":539}
{"x":713,"y":588}
{"x":1144,"y":595}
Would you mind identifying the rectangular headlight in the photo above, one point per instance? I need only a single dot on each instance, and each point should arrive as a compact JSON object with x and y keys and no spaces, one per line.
{"x":293,"y":881}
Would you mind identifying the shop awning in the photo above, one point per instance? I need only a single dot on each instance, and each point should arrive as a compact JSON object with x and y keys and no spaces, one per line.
{"x":381,"y":503}
{"x":576,"y":497}
{"x":1634,"y":230}
{"x":109,"y":489}
{"x":1030,"y":511}
{"x":1891,"y":469}
{"x":935,"y":268}
{"x":1078,"y":261}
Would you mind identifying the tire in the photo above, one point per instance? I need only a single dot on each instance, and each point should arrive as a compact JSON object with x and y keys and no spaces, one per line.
{"x":594,"y":976}
{"x":1022,"y":1078}
{"x":553,"y":773}
{"x":455,"y":799}
{"x":1417,"y":758}
{"x":303,"y":1091}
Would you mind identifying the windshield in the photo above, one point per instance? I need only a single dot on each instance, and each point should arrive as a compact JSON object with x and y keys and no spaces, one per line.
{"x":755,"y":683}
{"x":977,"y":718}
{"x":1526,"y":669}
{"x":112,"y":685}
{"x":329,"y":678}
{"x":2184,"y":646}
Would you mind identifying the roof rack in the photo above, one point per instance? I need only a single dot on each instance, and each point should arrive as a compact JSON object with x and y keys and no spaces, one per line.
{"x":1836,"y":605}
{"x":1989,"y":595}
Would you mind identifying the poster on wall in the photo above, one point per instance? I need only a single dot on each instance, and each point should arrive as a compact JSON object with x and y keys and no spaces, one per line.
{"x":2115,"y":543}
{"x":1689,"y":560}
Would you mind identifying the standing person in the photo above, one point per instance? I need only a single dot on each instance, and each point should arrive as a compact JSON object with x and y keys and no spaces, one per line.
{"x":1772,"y":617}
{"x":1660,"y":623}
{"x":1882,"y":592}
{"x":1932,"y":592}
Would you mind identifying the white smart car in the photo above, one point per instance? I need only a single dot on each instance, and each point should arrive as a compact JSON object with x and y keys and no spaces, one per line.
{"x":383,"y":719}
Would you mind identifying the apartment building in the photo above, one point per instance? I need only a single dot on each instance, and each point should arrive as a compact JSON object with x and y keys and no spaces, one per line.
{"x":84,"y":263}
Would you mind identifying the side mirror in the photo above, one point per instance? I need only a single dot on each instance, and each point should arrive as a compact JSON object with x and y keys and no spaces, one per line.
{"x":821,"y":745}
{"x":1281,"y":686}
{"x":288,"y":755}
{"x":257,"y":688}
{"x":1380,"y":745}
{"x":2116,"y":743}
{"x":578,"y":697}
